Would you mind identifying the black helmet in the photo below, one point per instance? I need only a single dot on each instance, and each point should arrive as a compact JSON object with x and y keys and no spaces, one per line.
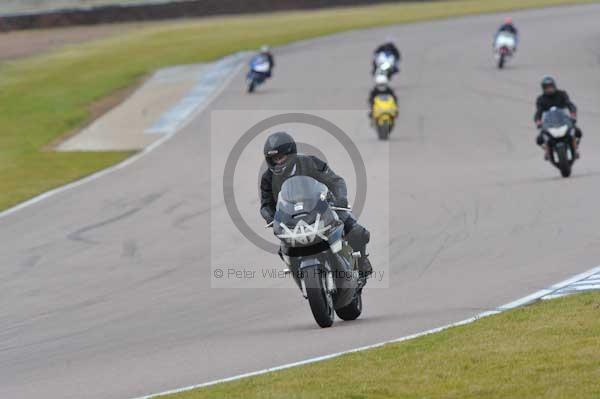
{"x":548,"y":81}
{"x":279,"y":144}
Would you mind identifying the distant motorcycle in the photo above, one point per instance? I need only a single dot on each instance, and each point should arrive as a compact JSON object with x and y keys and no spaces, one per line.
{"x":384,"y":113}
{"x":259,"y":68}
{"x":558,"y":130}
{"x":320,"y":260}
{"x":385,"y":64}
{"x":504,"y":48}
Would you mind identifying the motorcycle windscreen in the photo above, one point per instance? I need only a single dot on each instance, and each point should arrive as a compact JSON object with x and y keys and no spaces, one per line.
{"x":555,"y":118}
{"x":384,"y":103}
{"x":259,"y":63}
{"x":300,"y":195}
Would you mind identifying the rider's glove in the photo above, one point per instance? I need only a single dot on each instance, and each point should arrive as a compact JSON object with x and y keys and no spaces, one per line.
{"x":340,"y":202}
{"x":540,"y":140}
{"x":538,"y":123}
{"x":267,"y":214}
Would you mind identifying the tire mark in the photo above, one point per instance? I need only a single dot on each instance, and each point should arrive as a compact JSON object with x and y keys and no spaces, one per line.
{"x":31,"y":261}
{"x":170,"y":209}
{"x":78,"y":234}
{"x":130,"y":249}
{"x":183,"y":219}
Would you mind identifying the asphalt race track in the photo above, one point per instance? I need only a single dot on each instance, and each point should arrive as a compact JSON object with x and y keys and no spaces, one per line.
{"x":105,"y":288}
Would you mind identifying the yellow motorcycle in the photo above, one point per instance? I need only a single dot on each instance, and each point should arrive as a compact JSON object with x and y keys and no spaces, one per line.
{"x":384,"y":113}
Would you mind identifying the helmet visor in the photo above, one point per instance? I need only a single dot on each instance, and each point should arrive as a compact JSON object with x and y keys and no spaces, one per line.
{"x":278,"y":163}
{"x":549,"y":88}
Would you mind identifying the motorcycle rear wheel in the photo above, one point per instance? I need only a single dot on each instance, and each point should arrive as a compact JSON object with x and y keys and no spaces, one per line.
{"x":352,"y":310}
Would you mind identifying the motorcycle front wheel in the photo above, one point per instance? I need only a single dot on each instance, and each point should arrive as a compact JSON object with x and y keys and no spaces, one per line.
{"x":384,"y":129}
{"x":563,"y":161}
{"x":501,"y":61}
{"x":251,"y":86}
{"x":319,"y":299}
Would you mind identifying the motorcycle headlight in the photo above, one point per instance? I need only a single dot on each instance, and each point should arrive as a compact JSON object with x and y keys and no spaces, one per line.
{"x":558,"y":132}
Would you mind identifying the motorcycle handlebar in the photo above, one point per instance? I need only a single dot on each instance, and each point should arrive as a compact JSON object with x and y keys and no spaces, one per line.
{"x":339,"y":208}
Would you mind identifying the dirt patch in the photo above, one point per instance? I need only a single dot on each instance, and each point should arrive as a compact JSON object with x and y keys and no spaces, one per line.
{"x":127,"y":126}
{"x":105,"y":104}
{"x":96,"y":110}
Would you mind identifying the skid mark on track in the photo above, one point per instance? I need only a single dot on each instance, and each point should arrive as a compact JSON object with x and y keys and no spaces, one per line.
{"x":172,"y":208}
{"x":182,"y":220}
{"x":130,"y":249}
{"x":456,"y":230}
{"x":435,"y":257}
{"x":155,"y":277}
{"x":31,"y":261}
{"x":78,"y":234}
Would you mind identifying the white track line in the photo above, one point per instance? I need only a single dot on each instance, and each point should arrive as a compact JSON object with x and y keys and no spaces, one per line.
{"x":201,"y":107}
{"x":548,"y":292}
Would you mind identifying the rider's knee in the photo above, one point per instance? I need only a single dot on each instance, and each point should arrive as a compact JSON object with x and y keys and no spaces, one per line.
{"x":540,"y":139}
{"x":359,"y":236}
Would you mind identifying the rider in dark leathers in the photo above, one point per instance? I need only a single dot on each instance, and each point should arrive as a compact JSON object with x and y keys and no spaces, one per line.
{"x":381,"y":87}
{"x":388,"y":47}
{"x":509,"y":27}
{"x":284,"y":162}
{"x":266,"y":51}
{"x":552,"y":97}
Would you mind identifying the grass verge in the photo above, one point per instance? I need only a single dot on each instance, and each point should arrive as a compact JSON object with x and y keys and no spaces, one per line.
{"x":547,"y":350}
{"x":44,"y":97}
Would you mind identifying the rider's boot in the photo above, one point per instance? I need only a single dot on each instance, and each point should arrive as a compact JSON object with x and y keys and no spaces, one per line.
{"x":364,"y":266}
{"x":546,"y":148}
{"x":358,"y":238}
{"x":577,"y":140}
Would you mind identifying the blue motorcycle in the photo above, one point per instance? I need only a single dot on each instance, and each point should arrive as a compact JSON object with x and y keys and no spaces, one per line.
{"x":259,"y":71}
{"x":386,"y":64}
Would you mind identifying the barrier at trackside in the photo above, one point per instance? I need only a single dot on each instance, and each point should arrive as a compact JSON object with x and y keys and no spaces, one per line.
{"x":163,"y":10}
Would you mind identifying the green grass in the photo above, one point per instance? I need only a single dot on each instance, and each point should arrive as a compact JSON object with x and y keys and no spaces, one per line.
{"x":44,"y":97}
{"x":547,"y":350}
